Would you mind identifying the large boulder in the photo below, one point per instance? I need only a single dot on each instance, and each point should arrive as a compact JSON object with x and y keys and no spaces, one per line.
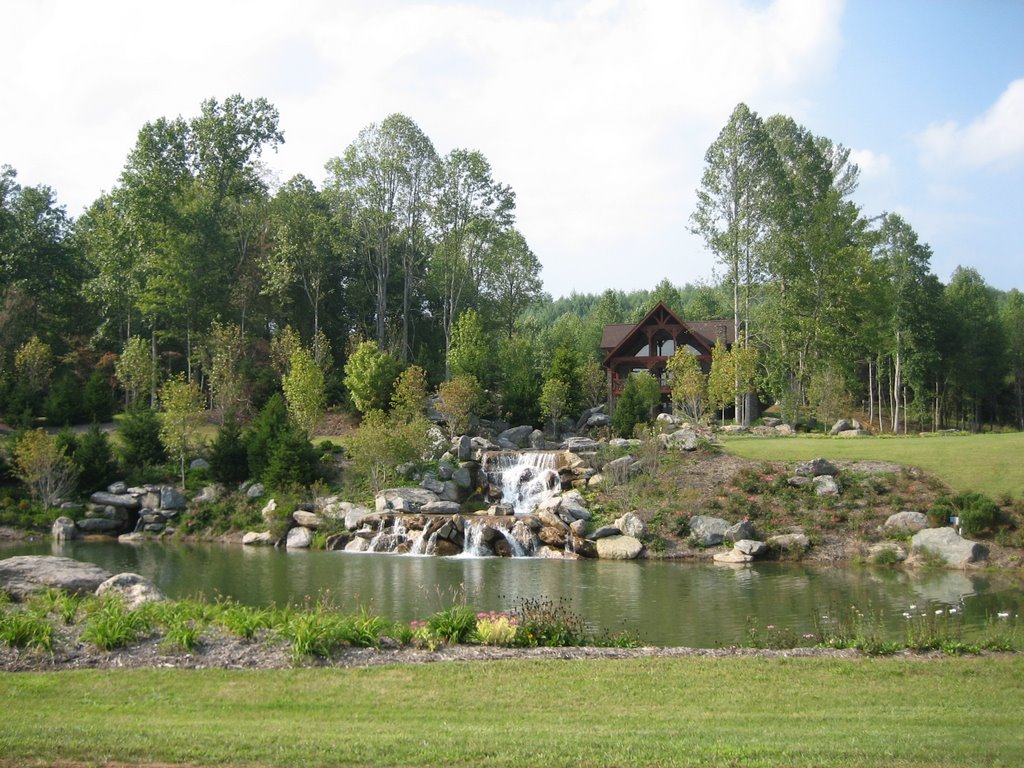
{"x":906,"y":521}
{"x":619,"y":548}
{"x":133,"y":589}
{"x":816,"y":468}
{"x":734,"y":555}
{"x":99,"y":525}
{"x":404,"y":499}
{"x":946,"y":543}
{"x":630,"y":524}
{"x":825,"y":485}
{"x":707,"y":531}
{"x":258,"y":538}
{"x":516,"y":437}
{"x":790,"y":542}
{"x":121,"y":500}
{"x":744,"y":529}
{"x":840,"y":426}
{"x":750,"y":547}
{"x":171,"y":498}
{"x":299,"y":538}
{"x":22,"y":575}
{"x":64,"y":529}
{"x":307,"y":519}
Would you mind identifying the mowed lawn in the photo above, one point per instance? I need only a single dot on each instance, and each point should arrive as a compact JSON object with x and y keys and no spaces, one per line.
{"x":990,"y":463}
{"x":652,"y":712}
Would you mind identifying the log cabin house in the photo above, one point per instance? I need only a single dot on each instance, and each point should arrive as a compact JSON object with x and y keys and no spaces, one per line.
{"x":647,"y":346}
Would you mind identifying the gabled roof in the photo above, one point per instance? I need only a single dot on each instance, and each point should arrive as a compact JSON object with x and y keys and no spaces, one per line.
{"x":706,"y":332}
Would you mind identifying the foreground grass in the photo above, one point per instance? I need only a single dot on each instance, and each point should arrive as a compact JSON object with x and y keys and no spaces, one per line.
{"x":723,"y":712}
{"x":991,"y":464}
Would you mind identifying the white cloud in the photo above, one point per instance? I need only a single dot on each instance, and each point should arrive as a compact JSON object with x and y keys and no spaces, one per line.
{"x":597,"y":113}
{"x":993,"y":139}
{"x":873,"y":165}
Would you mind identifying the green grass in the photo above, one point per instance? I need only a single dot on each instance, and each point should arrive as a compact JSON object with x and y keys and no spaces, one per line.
{"x":992,"y":464}
{"x":664,"y":712}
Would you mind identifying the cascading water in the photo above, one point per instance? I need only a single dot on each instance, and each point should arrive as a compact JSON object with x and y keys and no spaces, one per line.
{"x":525,"y":479}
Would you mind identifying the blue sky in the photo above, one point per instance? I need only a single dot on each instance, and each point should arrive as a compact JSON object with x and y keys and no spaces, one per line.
{"x":597,"y":113}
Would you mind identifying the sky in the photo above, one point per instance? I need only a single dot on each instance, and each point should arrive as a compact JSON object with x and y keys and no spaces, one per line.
{"x":596,"y":112}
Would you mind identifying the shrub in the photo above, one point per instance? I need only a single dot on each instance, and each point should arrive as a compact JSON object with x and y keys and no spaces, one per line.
{"x":453,"y":625}
{"x":44,"y":466}
{"x":263,"y":434}
{"x":64,"y":403}
{"x":293,"y":461}
{"x":545,"y":623}
{"x":495,"y":628}
{"x":640,"y":395}
{"x":20,"y":628}
{"x":139,"y":433}
{"x":112,"y":625}
{"x":229,"y":459}
{"x":98,"y":398}
{"x":977,"y":512}
{"x":95,"y":459}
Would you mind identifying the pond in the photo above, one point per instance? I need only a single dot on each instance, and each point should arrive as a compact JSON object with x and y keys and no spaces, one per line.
{"x":665,"y":603}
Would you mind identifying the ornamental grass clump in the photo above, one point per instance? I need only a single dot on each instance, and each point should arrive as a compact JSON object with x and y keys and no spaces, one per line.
{"x":110,"y":624}
{"x":453,"y":625}
{"x":242,"y":620}
{"x":25,"y":628}
{"x":544,"y":623}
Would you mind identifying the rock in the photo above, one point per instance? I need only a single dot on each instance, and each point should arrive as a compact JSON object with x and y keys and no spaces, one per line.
{"x":171,"y":498}
{"x":357,"y":545}
{"x":789,"y":542}
{"x":630,"y":524}
{"x":784,"y":429}
{"x":582,"y":547}
{"x":120,"y":500}
{"x":683,"y":440}
{"x":199,"y":464}
{"x":605,"y":531}
{"x":153,"y":527}
{"x":572,"y":504}
{"x":598,"y":420}
{"x":131,"y":538}
{"x":208,"y":494}
{"x":744,"y":529}
{"x":299,"y":538}
{"x":269,"y":511}
{"x":441,"y":508}
{"x":64,"y":529}
{"x":816,"y":468}
{"x":580,"y":444}
{"x":949,"y":545}
{"x":254,"y":539}
{"x":623,"y":443}
{"x":732,"y":556}
{"x":669,"y":419}
{"x":771,"y":421}
{"x":798,"y":482}
{"x":619,"y":548}
{"x":751,"y":547}
{"x":537,"y":440}
{"x":433,"y":484}
{"x":354,"y":516}
{"x":118,"y":488}
{"x":99,"y":525}
{"x":618,"y":469}
{"x":734,"y":429}
{"x":463,"y":448}
{"x":578,"y":528}
{"x":855,"y":433}
{"x":465,"y":475}
{"x":587,"y":415}
{"x":133,"y":589}
{"x":877,"y":550}
{"x":707,"y":531}
{"x":500,"y":510}
{"x":307,"y":519}
{"x":516,"y":437}
{"x":825,"y":485}
{"x":403,"y":499}
{"x":255,"y":491}
{"x":550,"y":553}
{"x":550,"y":518}
{"x":71,"y":506}
{"x":840,"y":426}
{"x":553,"y":537}
{"x":906,"y":521}
{"x":22,"y":575}
{"x":337,"y":541}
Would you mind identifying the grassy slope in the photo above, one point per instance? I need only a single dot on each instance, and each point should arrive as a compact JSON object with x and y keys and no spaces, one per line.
{"x":723,"y":712}
{"x":993,"y":464}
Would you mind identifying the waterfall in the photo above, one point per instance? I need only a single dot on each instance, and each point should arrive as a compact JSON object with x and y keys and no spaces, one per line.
{"x":525,"y":479}
{"x":473,"y":536}
{"x":518,"y":550}
{"x":388,"y":541}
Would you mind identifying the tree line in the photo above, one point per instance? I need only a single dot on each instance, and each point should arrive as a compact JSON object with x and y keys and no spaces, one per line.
{"x":197,"y":267}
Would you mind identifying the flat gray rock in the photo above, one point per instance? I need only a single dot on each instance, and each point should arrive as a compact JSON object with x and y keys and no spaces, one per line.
{"x":956,"y":551}
{"x":619,"y":548}
{"x":20,"y":576}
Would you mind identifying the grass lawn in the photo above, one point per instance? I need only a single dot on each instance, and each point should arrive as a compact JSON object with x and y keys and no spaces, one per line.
{"x":664,"y":712}
{"x":992,"y":464}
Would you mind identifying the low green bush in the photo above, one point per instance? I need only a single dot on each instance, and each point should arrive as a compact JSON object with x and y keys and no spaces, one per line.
{"x":977,"y":512}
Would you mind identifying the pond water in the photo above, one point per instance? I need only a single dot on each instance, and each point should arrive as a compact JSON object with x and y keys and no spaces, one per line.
{"x":665,"y":603}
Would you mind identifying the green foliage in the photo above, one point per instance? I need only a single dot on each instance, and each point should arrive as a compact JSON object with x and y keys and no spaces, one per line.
{"x":459,"y":400}
{"x":304,"y":391}
{"x":369,"y":377}
{"x":135,"y":370}
{"x":640,"y":395}
{"x":554,"y":396}
{"x":23,"y":628}
{"x":977,"y":512}
{"x":544,"y":623}
{"x":520,"y":383}
{"x":98,"y":399}
{"x":470,"y":353}
{"x":409,"y":399}
{"x":228,"y":457}
{"x":110,"y":624}
{"x":64,"y":404}
{"x":455,"y":624}
{"x":689,"y":385}
{"x":293,"y":461}
{"x":95,"y":459}
{"x":495,"y":628}
{"x":264,"y":432}
{"x":44,"y":467}
{"x":139,"y":436}
{"x":183,"y":413}
{"x":566,"y":366}
{"x":381,"y":443}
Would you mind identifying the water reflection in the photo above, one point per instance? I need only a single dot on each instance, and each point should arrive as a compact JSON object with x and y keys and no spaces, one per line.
{"x":703,"y":605}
